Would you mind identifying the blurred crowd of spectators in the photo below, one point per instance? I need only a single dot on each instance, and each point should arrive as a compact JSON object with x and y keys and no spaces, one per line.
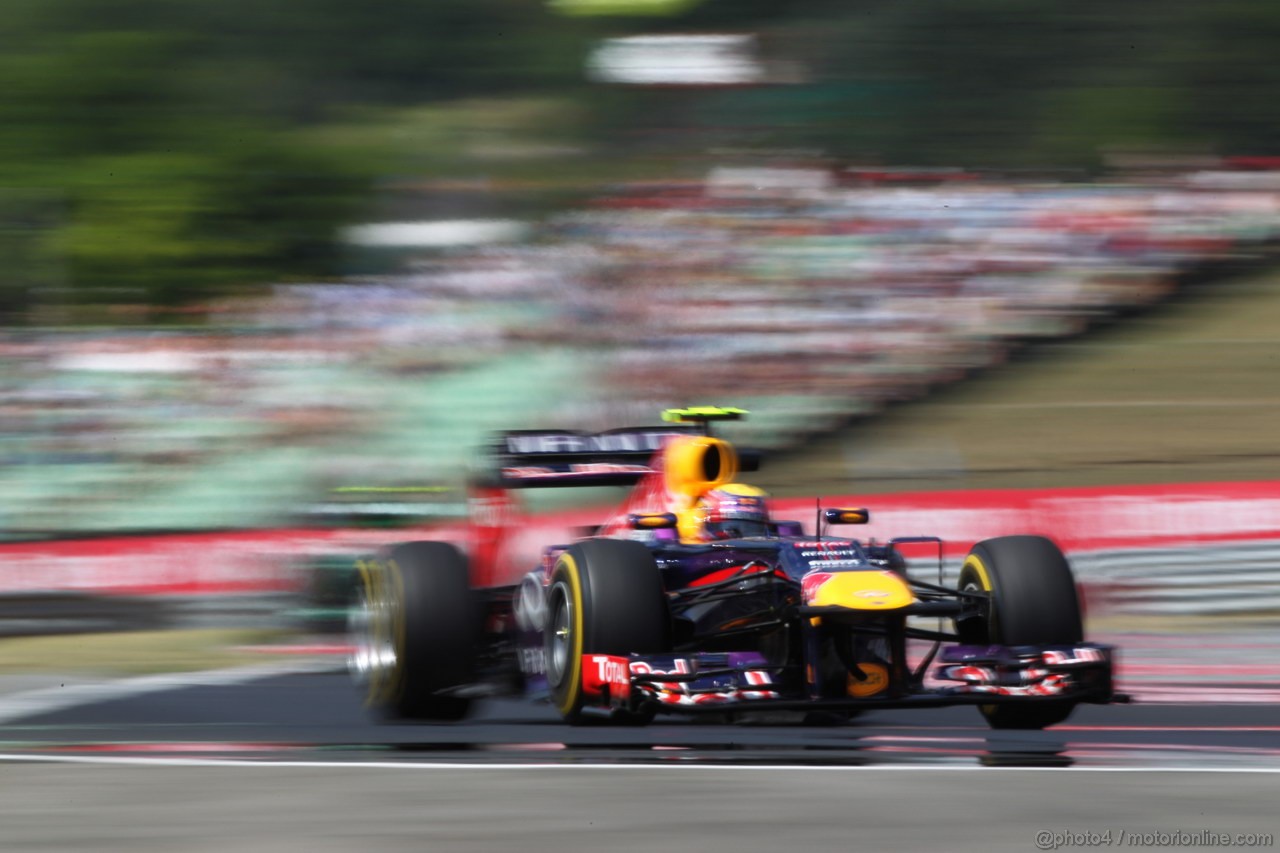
{"x":866,"y":287}
{"x":808,"y":295}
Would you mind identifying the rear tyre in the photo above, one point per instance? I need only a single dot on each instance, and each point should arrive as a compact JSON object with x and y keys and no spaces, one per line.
{"x":1032,"y":601}
{"x":415,"y":632}
{"x":606,"y":597}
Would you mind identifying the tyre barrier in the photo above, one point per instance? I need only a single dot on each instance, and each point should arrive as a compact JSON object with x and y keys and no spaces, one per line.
{"x":1218,"y":579}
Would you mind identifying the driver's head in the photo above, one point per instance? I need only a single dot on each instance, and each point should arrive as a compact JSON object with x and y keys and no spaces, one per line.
{"x":732,"y":511}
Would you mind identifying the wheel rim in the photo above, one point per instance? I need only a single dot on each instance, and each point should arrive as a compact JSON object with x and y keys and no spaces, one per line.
{"x":373,"y":654}
{"x":560,"y":637}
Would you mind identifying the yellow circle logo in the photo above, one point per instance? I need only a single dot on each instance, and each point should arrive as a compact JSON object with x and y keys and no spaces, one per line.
{"x":877,"y":680}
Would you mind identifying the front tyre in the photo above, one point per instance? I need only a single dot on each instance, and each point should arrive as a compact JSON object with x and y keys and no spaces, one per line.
{"x":1031,"y":601}
{"x":415,"y":632}
{"x":606,"y":597}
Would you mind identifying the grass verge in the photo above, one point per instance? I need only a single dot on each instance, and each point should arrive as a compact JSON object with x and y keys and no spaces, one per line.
{"x":1186,"y":392}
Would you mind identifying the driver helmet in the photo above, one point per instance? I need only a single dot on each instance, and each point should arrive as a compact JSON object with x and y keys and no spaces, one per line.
{"x":732,"y":511}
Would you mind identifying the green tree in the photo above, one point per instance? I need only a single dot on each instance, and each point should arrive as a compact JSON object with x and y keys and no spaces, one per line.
{"x":188,"y":140}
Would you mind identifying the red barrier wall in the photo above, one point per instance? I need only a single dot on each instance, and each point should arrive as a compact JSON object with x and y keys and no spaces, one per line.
{"x":261,"y":561}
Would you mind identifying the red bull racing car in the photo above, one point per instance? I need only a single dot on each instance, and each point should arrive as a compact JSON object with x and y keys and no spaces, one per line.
{"x":691,"y":598}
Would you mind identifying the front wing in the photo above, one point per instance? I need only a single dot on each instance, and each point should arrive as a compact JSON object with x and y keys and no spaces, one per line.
{"x":965,"y":675}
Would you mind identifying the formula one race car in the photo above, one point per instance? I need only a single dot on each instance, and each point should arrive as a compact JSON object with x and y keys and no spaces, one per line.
{"x":692,"y":598}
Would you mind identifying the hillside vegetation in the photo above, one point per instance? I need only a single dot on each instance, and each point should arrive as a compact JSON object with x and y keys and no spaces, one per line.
{"x":1189,"y":391}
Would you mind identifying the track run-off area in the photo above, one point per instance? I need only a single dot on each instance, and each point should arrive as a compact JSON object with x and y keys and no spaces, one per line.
{"x":1197,"y":700}
{"x":284,"y":757}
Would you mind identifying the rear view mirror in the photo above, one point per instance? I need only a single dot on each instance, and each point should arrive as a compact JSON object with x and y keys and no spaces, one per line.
{"x":847,"y":516}
{"x":652,"y":521}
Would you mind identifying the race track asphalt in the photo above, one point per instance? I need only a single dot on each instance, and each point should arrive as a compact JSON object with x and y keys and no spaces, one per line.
{"x":292,"y":762}
{"x":416,"y":808}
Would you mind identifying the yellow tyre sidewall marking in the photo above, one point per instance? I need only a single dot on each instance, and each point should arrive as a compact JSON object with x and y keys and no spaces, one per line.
{"x":573,"y":666}
{"x":368,"y":570}
{"x":973,"y":561}
{"x":396,"y":612}
{"x":384,"y":596}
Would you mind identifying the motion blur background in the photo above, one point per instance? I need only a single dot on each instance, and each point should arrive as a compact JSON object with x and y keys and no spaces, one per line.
{"x":255,"y":254}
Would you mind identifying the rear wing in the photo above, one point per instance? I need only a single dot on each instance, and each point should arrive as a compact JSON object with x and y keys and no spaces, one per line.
{"x":523,"y":459}
{"x":550,"y":458}
{"x":540,"y":458}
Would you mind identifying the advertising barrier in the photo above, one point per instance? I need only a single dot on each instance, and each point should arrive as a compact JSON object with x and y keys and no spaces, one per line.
{"x":1174,"y":548}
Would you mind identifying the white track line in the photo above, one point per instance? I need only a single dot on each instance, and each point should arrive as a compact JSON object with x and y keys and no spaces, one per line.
{"x":18,"y":758}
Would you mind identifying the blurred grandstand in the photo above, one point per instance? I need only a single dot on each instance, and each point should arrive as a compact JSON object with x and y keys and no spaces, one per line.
{"x":806,"y":295}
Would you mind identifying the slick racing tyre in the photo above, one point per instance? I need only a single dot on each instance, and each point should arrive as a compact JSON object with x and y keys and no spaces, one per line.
{"x":606,"y":597}
{"x":1032,"y":600}
{"x":415,"y":631}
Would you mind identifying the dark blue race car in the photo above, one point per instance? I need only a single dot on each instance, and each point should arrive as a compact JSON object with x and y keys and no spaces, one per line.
{"x":692,"y":598}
